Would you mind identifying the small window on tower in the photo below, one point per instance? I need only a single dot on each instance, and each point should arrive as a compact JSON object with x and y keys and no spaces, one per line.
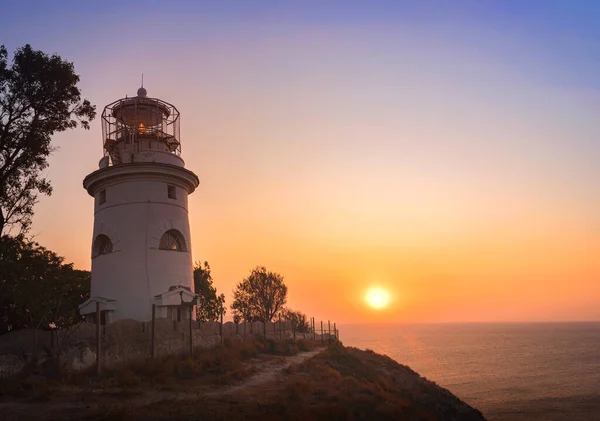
{"x":172,"y":192}
{"x":102,"y":197}
{"x":172,"y":240}
{"x":102,"y":245}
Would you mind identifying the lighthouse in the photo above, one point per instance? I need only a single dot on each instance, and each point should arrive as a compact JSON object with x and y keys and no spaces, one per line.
{"x":141,"y":243}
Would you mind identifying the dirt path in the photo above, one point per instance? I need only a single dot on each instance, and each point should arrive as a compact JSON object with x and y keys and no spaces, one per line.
{"x":266,"y":371}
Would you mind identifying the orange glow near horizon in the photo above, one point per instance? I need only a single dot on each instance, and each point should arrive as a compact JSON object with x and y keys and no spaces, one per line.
{"x":464,"y":184}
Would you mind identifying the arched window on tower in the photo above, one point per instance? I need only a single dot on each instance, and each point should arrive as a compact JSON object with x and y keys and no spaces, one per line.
{"x":172,"y":240}
{"x":102,"y":245}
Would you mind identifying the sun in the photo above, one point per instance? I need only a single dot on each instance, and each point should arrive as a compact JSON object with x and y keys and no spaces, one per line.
{"x":377,"y":298}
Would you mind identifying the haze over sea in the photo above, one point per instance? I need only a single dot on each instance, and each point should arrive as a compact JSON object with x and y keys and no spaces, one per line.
{"x":509,"y":371}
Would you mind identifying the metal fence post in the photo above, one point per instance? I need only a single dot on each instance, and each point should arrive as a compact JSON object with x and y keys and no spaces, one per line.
{"x":322,"y":336}
{"x":294,"y":330}
{"x":221,"y":328}
{"x":98,"y":338}
{"x":191,"y":333}
{"x":153,"y":351}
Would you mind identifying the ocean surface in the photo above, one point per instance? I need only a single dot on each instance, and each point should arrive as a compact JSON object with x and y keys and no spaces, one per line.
{"x":517,"y":372}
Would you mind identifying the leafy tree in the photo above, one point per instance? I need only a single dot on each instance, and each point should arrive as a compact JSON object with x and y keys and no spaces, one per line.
{"x":71,"y":288}
{"x":209,"y":304}
{"x":38,"y":97}
{"x":298,"y":319}
{"x":37,"y":289}
{"x":261,"y":296}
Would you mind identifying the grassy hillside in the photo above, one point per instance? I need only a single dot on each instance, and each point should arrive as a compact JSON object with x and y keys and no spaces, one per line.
{"x":255,"y":380}
{"x":340,"y":383}
{"x":350,"y":384}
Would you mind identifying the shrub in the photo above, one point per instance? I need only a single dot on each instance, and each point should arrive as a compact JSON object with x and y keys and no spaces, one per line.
{"x":30,"y":386}
{"x":229,"y":342}
{"x":126,"y":378}
{"x":116,"y":413}
{"x":10,"y":386}
{"x":37,"y":388}
{"x":305,"y":345}
{"x":299,"y":388}
{"x":248,"y":350}
{"x":282,"y":346}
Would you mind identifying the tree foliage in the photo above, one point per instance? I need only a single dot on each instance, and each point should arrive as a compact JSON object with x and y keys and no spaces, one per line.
{"x":298,"y":319}
{"x":260,"y":296}
{"x":209,"y":304}
{"x":38,"y":98}
{"x":37,"y":289}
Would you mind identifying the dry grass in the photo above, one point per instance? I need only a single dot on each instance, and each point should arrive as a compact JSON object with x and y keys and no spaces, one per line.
{"x":221,"y":365}
{"x":339,"y":383}
{"x":116,"y":413}
{"x":349,"y":384}
{"x":32,"y":387}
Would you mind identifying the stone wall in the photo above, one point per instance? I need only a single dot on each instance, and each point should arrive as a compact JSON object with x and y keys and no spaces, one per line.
{"x":125,"y":341}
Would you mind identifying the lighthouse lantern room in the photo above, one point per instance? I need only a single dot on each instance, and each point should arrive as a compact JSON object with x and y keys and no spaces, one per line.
{"x":141,"y":244}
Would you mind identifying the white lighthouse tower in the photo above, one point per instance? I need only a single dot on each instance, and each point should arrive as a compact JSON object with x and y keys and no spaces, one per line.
{"x":141,"y":247}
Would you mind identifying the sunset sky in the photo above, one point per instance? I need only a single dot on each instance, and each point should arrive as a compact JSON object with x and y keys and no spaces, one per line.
{"x":445,"y":151}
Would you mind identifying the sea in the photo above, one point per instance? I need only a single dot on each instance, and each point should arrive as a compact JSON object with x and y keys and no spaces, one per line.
{"x":512,"y":371}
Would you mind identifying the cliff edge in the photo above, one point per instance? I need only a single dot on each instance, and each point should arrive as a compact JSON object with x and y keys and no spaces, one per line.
{"x":338,"y":383}
{"x":355,"y":384}
{"x":292,"y":381}
{"x":346,"y":383}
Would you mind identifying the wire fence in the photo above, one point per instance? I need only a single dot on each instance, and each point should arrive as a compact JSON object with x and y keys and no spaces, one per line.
{"x":187,"y":334}
{"x":96,"y":345}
